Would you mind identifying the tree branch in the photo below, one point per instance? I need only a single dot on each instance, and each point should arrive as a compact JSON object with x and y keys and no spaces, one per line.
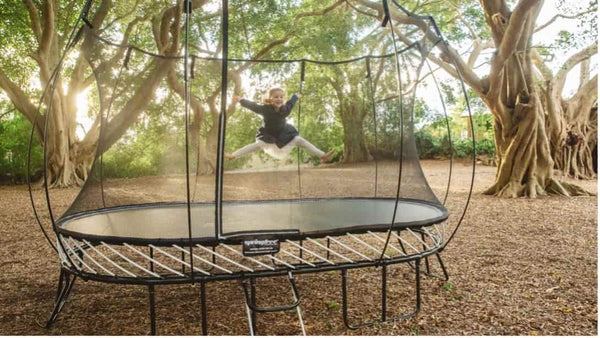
{"x":319,"y":12}
{"x":511,"y":41}
{"x":168,"y":24}
{"x":588,"y":90}
{"x":584,"y":72}
{"x":119,"y":18}
{"x":101,"y":14}
{"x":136,"y":104}
{"x":464,"y":21}
{"x":35,"y":19}
{"x":478,"y":47}
{"x":260,"y":54}
{"x":108,"y":65}
{"x":448,"y":53}
{"x":20,"y":101}
{"x":584,"y":54}
{"x":180,"y":90}
{"x":513,"y":32}
{"x":48,"y":16}
{"x":537,"y":29}
{"x":541,"y":65}
{"x":362,"y":11}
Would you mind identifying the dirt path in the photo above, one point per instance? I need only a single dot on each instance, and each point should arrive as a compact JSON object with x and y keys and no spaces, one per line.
{"x":517,"y":267}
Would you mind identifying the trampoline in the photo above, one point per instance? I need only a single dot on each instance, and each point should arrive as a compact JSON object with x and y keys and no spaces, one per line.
{"x":154,"y":223}
{"x":199,"y":218}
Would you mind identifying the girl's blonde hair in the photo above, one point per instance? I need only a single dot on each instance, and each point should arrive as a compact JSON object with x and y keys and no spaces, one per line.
{"x":270,"y":92}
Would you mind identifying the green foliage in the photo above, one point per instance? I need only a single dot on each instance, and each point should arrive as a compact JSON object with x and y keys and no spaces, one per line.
{"x":427,"y":145}
{"x":15,"y":132}
{"x":415,"y":330}
{"x":431,"y":147}
{"x":155,"y":143}
{"x":332,"y":305}
{"x":485,"y":147}
{"x":584,"y":29}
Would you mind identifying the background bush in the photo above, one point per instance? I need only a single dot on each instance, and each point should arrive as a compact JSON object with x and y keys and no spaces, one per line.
{"x":14,"y":143}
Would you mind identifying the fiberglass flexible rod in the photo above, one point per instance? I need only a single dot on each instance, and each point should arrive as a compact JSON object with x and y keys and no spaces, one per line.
{"x":388,"y":19}
{"x":52,"y":79}
{"x":73,"y":37}
{"x":187,"y":4}
{"x":222,"y":120}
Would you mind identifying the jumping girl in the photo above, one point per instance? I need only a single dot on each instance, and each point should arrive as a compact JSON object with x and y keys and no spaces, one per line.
{"x":275,"y":131}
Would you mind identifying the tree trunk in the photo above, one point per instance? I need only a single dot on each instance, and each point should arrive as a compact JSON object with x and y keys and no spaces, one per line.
{"x":525,"y":164}
{"x":576,"y":133}
{"x":523,"y":156}
{"x":355,"y":148}
{"x":62,"y":167}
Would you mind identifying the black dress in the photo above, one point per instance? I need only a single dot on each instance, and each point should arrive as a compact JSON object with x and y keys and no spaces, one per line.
{"x":274,"y":129}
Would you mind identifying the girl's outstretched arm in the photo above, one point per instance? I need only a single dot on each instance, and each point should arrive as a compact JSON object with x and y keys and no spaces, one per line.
{"x":249,"y":104}
{"x":289,"y":105}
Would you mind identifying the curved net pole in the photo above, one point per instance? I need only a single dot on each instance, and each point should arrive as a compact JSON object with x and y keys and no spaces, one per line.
{"x":30,"y":147}
{"x":388,"y":19}
{"x":222,"y":120}
{"x":473,"y":154}
{"x":71,"y":41}
{"x":374,"y":108}
{"x":439,"y":91}
{"x":464,"y":90}
{"x":187,"y":4}
{"x":302,"y":74}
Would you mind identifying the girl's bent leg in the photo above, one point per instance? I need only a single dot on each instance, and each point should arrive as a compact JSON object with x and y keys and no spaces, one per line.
{"x":301,"y":142}
{"x":250,"y":148}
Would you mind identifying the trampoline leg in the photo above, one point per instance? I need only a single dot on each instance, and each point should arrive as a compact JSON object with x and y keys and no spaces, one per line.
{"x":152,"y":310}
{"x":151,"y":299}
{"x":418,"y":287}
{"x":65,"y":285}
{"x":253,"y":299}
{"x":345,"y":304}
{"x":383,"y":293}
{"x":404,"y":250}
{"x":427,"y":271}
{"x":439,"y":258}
{"x":384,"y":318}
{"x":445,"y":276}
{"x":203,"y":308}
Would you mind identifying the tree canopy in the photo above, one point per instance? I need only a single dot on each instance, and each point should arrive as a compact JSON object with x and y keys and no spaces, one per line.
{"x":146,"y":94}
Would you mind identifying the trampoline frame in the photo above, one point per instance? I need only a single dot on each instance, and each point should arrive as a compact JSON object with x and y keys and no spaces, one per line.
{"x":74,"y":250}
{"x":280,"y":267}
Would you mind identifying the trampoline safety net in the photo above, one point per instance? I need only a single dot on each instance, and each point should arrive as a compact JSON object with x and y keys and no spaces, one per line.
{"x":204,"y":127}
{"x":163,"y":134}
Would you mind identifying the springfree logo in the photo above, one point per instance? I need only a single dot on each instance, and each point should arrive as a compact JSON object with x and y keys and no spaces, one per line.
{"x":255,"y":247}
{"x":263,"y":242}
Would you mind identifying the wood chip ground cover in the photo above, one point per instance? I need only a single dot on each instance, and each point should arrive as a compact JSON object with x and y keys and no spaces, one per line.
{"x":517,"y":267}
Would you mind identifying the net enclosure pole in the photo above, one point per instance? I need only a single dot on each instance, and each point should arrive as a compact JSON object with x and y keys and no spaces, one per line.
{"x":386,"y":20}
{"x":222,"y":119}
{"x":188,"y":10}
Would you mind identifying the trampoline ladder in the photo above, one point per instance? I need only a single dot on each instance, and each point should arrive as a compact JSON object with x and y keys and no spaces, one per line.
{"x":252,"y":309}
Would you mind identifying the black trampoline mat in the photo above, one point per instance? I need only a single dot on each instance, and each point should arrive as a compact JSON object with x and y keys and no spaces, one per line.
{"x":309,"y":217}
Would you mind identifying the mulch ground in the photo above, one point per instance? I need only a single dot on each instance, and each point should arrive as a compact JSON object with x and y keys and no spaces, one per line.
{"x":517,"y":267}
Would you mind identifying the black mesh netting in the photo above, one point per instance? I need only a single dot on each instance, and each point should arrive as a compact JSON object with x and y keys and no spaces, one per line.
{"x":156,"y":138}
